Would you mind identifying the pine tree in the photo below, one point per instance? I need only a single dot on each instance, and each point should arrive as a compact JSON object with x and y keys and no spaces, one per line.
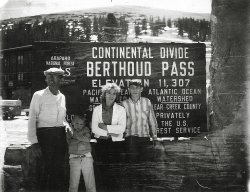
{"x":87,"y":28}
{"x":180,"y":27}
{"x":144,"y":24}
{"x":137,"y":29}
{"x":123,"y":25}
{"x":169,"y":23}
{"x":95,"y":25}
{"x":110,"y":28}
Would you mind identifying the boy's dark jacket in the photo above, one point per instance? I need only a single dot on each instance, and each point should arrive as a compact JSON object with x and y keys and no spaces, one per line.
{"x":79,"y":142}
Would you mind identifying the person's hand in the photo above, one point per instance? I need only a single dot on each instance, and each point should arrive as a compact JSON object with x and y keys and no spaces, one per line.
{"x":69,"y":135}
{"x":102,"y":126}
{"x":154,"y":141}
{"x":154,"y":138}
{"x":69,"y":131}
{"x":36,"y":149}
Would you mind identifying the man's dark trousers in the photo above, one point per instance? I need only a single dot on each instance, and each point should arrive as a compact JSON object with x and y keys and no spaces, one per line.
{"x":54,"y":149}
{"x":138,"y":149}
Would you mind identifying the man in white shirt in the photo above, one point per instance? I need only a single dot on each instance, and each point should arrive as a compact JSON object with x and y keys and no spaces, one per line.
{"x":46,"y":130}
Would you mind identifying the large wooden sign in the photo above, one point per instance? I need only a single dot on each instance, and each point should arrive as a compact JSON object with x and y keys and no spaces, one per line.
{"x":173,"y":76}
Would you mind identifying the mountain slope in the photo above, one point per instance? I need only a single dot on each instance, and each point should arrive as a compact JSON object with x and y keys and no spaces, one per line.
{"x":132,"y":12}
{"x":139,"y":10}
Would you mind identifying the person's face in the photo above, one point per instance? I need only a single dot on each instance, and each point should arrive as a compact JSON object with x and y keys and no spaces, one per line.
{"x":53,"y":80}
{"x":135,"y":90}
{"x":78,"y":124}
{"x":111,"y":96}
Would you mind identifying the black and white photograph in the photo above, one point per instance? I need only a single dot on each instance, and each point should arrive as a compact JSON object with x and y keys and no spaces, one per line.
{"x":124,"y":95}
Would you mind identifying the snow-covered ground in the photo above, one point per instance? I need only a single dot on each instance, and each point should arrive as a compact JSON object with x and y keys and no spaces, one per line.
{"x":167,"y":36}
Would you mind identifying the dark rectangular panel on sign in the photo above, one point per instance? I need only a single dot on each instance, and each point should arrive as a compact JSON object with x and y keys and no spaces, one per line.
{"x":173,"y":76}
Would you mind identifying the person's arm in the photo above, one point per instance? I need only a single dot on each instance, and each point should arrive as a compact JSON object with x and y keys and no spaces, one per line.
{"x":121,"y":126}
{"x":83,"y":135}
{"x":33,"y":114}
{"x":69,"y":134}
{"x":152,"y":122}
{"x":128,"y":118}
{"x":104,"y":127}
{"x":65,"y":122}
{"x":67,"y":126}
{"x":32,"y":136}
{"x":95,"y":125}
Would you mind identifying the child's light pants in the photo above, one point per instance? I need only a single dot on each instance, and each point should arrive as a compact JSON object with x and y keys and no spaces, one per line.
{"x":84,"y":165}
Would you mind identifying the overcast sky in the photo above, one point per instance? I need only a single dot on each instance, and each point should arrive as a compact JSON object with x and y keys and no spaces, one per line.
{"x":20,"y":8}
